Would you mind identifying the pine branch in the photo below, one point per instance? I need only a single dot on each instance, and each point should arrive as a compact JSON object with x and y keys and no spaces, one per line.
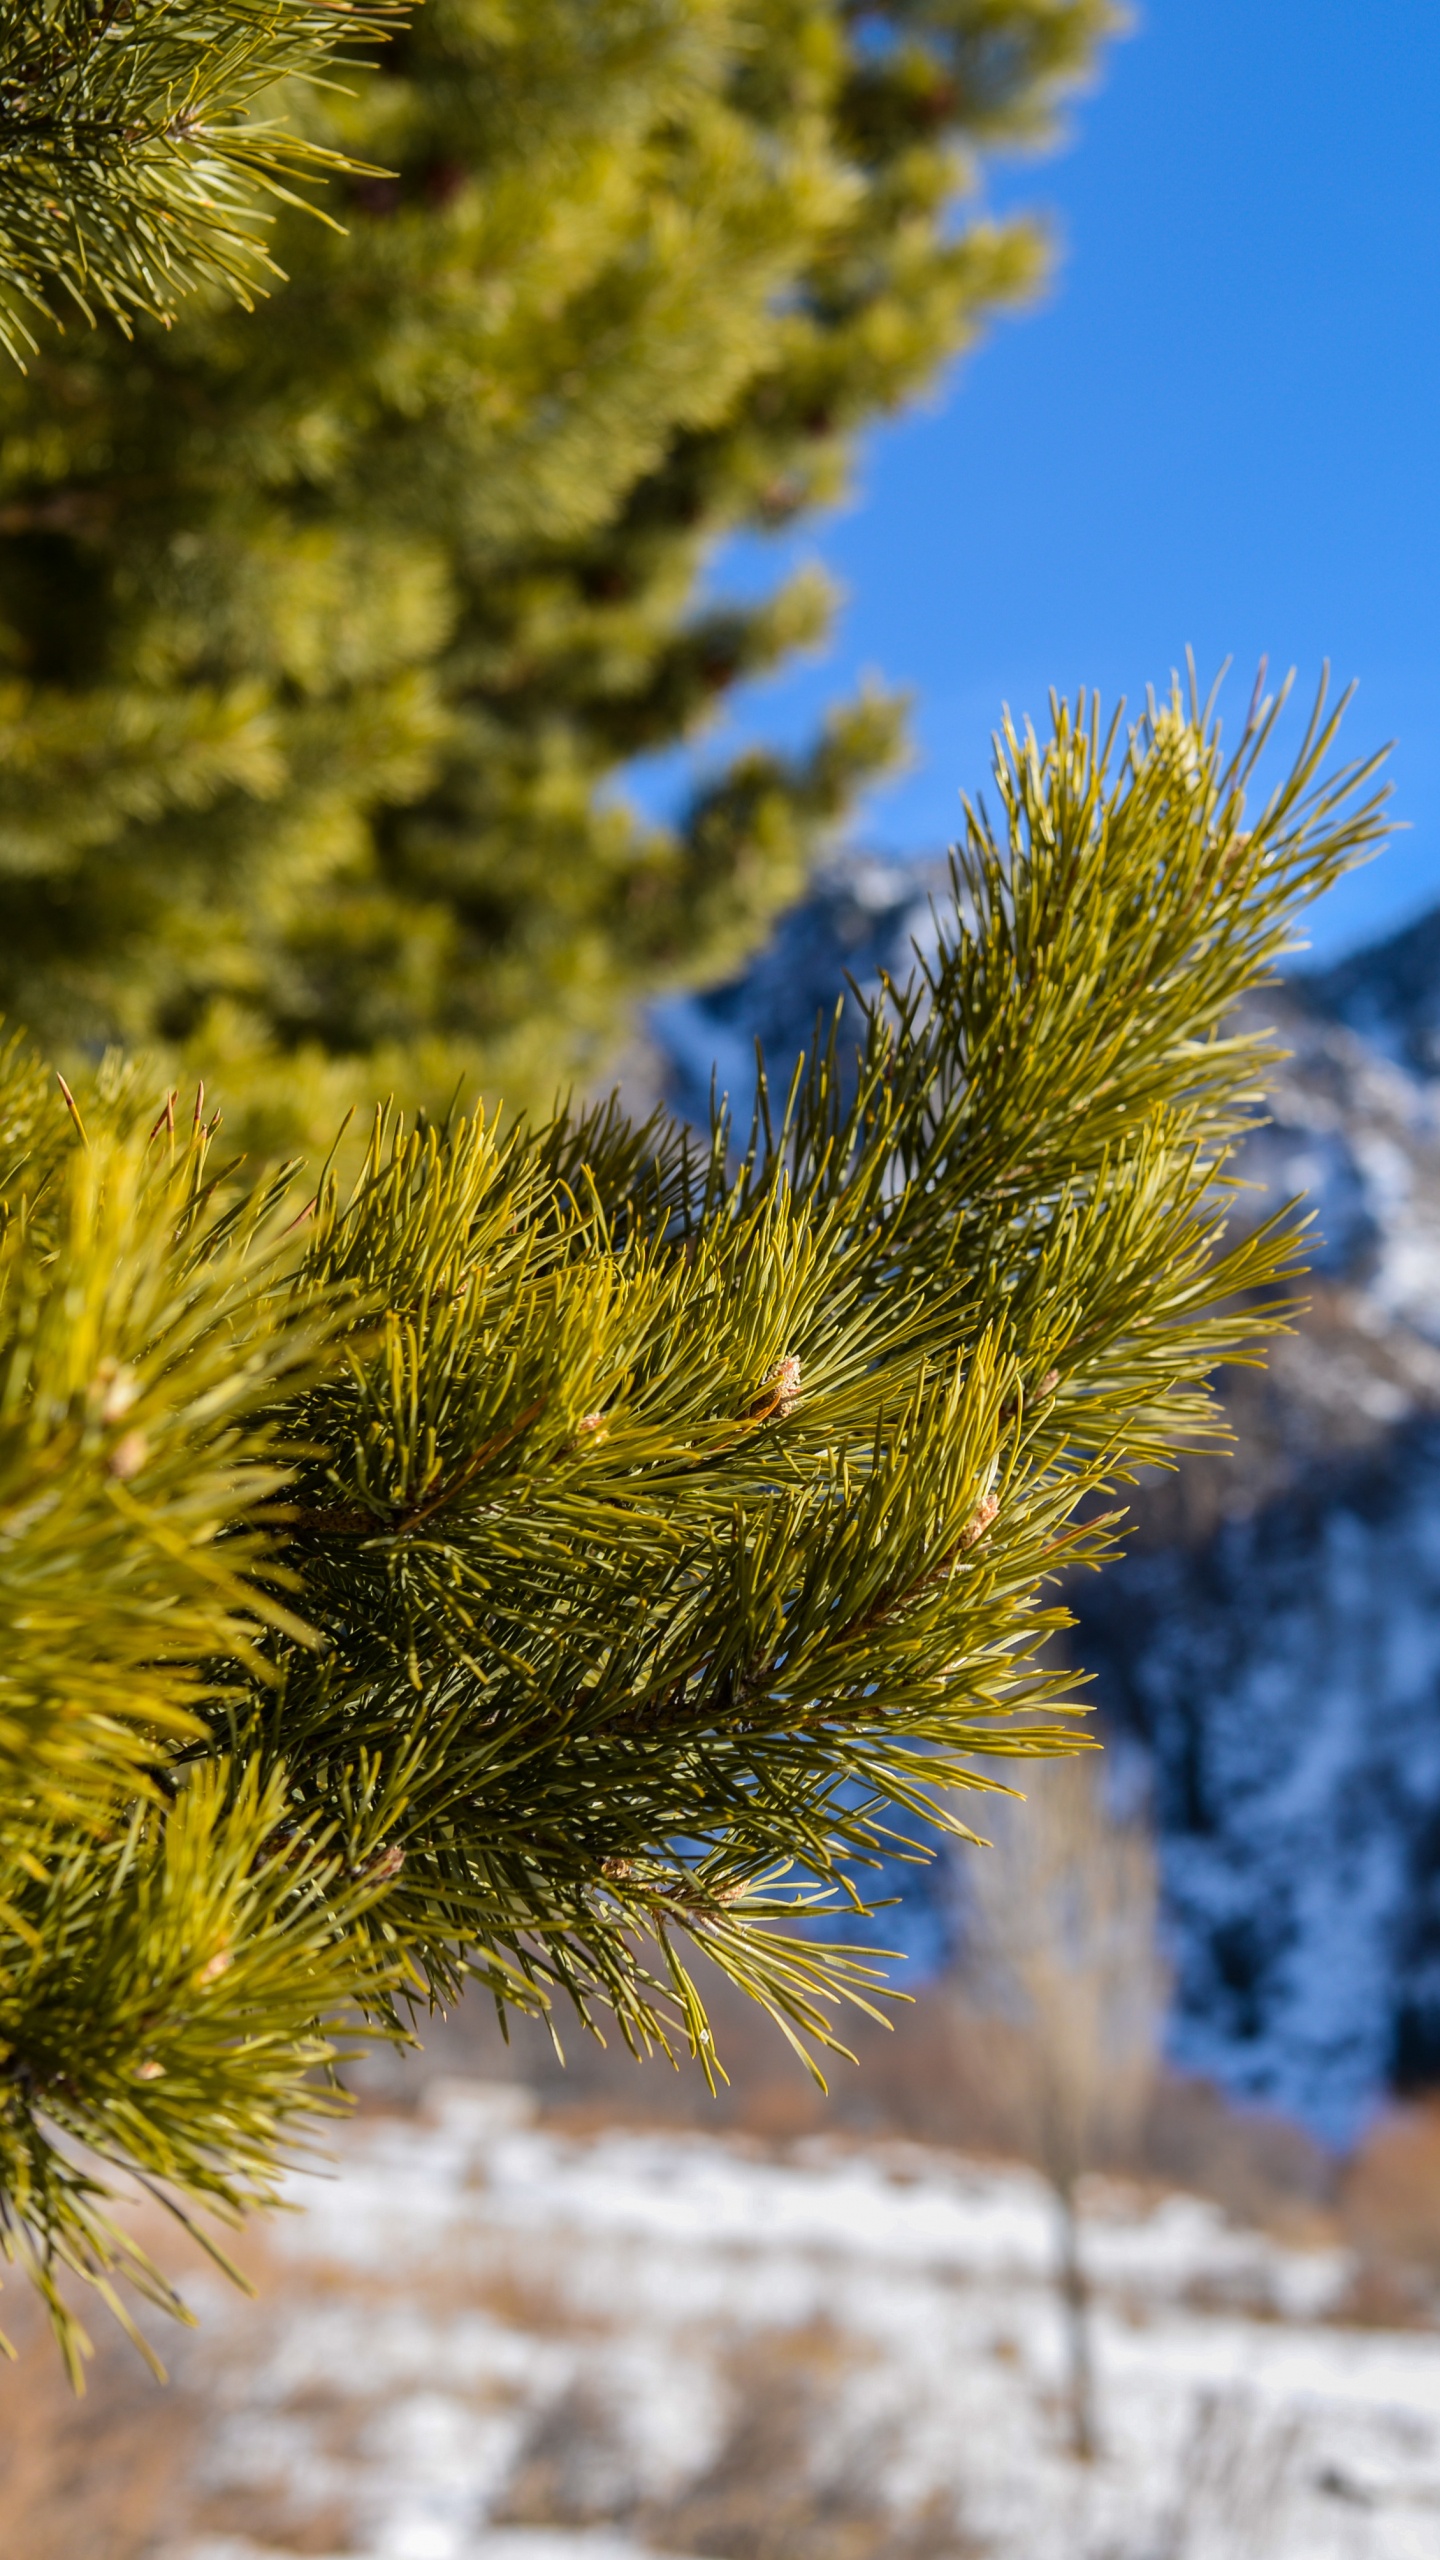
{"x":669,"y":1532}
{"x":133,"y":166}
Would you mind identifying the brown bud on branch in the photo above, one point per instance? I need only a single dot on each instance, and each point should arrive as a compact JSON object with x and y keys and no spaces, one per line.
{"x":781,"y":1392}
{"x":385,"y":1863}
{"x":978,"y":1522}
{"x":129,"y":1455}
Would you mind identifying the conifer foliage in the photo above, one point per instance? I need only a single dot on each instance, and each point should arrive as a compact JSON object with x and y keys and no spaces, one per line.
{"x":133,"y":167}
{"x":325,"y":629}
{"x":566,"y":1547}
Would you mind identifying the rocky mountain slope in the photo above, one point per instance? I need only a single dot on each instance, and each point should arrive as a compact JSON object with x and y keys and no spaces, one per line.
{"x":1273,"y":1637}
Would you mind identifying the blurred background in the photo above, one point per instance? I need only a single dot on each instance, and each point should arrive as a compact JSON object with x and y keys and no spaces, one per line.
{"x":1121,"y":2239}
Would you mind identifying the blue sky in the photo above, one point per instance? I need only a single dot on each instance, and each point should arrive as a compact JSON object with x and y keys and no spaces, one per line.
{"x":1219,"y":429}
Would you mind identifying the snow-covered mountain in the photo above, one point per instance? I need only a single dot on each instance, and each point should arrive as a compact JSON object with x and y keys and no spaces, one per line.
{"x":1273,"y":1637}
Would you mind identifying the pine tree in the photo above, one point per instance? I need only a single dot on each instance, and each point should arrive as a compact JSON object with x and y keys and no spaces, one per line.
{"x":132,"y":168}
{"x":325,"y":630}
{"x":570,"y":1548}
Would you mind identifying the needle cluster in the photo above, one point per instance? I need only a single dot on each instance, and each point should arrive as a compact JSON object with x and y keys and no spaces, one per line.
{"x":137,"y":157}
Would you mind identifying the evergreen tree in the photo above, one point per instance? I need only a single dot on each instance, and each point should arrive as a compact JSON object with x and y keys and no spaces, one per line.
{"x":132,"y":168}
{"x":324,"y":630}
{"x":570,"y":1548}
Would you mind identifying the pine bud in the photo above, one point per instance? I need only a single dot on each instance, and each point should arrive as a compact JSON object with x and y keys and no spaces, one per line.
{"x":219,"y":1963}
{"x":781,"y":1394}
{"x":1050,"y":1382}
{"x":129,"y":1455}
{"x":592,"y":1426}
{"x":150,"y":2070}
{"x":978,"y":1522}
{"x":117,"y":1388}
{"x":386,"y":1863}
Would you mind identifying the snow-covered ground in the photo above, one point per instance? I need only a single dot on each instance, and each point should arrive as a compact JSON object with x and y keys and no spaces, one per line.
{"x":489,"y":2340}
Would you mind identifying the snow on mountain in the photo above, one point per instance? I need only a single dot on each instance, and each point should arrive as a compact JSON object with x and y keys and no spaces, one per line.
{"x":1274,"y":1635}
{"x":1389,"y":994}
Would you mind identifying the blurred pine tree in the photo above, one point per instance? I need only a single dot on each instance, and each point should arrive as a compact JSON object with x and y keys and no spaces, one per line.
{"x":323,"y":631}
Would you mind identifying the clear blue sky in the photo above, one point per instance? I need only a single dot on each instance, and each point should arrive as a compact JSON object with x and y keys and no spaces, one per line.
{"x":1219,"y":430}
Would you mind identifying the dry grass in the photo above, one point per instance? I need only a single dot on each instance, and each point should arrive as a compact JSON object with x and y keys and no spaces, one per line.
{"x":98,"y":2479}
{"x":115,"y":2474}
{"x":778,"y":2486}
{"x":95,"y":2479}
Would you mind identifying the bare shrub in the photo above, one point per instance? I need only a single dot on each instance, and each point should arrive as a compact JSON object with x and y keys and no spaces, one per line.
{"x":786,"y":2481}
{"x":1390,"y":2210}
{"x":1259,"y":2166}
{"x":779,"y":2486}
{"x":1234,"y":2474}
{"x":572,"y":2469}
{"x":1061,"y":1946}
